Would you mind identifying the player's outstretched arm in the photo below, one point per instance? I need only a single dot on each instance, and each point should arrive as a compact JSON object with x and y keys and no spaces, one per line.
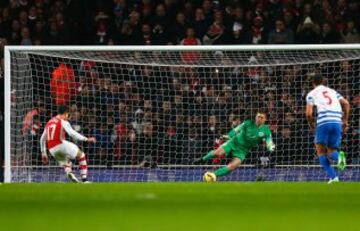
{"x":74,"y":134}
{"x":346,"y":109}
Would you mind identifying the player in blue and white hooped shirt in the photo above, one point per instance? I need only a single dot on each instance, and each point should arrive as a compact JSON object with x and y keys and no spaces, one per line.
{"x":332,"y":119}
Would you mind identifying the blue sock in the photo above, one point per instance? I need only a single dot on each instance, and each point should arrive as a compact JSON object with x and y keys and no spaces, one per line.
{"x":324,"y":161}
{"x":335,"y":156}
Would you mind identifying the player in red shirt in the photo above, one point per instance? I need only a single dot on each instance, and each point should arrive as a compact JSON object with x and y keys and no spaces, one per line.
{"x":64,"y":151}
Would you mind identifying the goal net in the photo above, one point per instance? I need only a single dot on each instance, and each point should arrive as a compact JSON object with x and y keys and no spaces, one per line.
{"x":153,"y":110}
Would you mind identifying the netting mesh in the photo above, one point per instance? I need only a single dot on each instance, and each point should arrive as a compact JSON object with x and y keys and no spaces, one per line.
{"x":153,"y":113}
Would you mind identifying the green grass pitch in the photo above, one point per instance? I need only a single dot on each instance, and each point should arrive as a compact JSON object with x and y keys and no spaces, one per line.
{"x":180,"y":206}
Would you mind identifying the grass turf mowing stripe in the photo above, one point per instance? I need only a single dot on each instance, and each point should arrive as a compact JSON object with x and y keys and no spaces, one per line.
{"x":180,"y":206}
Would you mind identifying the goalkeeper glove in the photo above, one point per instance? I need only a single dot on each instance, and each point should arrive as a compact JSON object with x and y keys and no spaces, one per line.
{"x":271,"y":147}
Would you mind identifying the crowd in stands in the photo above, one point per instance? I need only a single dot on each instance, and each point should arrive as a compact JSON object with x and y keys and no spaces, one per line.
{"x":150,"y":22}
{"x":124,"y":113}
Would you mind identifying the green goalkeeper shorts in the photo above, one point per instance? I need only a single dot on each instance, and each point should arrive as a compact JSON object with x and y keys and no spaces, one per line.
{"x":236,"y":151}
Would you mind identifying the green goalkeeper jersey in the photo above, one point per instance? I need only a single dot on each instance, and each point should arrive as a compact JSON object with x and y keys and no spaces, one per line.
{"x":248,"y":134}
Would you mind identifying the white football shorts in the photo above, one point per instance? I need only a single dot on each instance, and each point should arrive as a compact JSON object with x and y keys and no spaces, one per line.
{"x":65,"y":151}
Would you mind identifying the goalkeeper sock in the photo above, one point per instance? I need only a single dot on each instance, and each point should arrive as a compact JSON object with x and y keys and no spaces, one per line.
{"x":324,"y":161}
{"x":335,"y":156}
{"x":83,"y":166}
{"x":222,"y":171}
{"x":208,"y":156}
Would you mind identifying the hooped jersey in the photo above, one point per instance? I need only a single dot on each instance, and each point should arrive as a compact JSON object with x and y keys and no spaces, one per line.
{"x":327,"y":102}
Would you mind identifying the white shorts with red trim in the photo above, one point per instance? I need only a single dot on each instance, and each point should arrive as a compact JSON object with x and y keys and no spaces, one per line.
{"x":64,"y":151}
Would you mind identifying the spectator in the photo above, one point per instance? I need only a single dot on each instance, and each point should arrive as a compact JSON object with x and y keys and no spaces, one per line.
{"x":328,"y":34}
{"x":102,"y":36}
{"x":178,"y":29}
{"x":290,"y":20}
{"x":159,"y":35}
{"x":119,"y":11}
{"x":200,"y":24}
{"x":138,"y":123}
{"x":190,"y":56}
{"x":161,"y":18}
{"x":259,"y":35}
{"x":103,"y":142}
{"x":25,"y":37}
{"x":192,"y":146}
{"x":126,"y":35}
{"x":169,"y":143}
{"x":350,"y":33}
{"x":308,"y":32}
{"x":39,"y":33}
{"x":129,"y":149}
{"x":281,"y":34}
{"x":63,"y":86}
{"x":286,"y":151}
{"x":54,"y":36}
{"x":5,"y":23}
{"x":76,"y":121}
{"x":212,"y":131}
{"x":146,"y":11}
{"x":120,"y":136}
{"x":32,"y":17}
{"x":239,"y":35}
{"x":148,"y":148}
{"x":15,"y":33}
{"x":208,"y":10}
{"x":147,"y":36}
{"x":28,"y":122}
{"x":216,"y":32}
{"x":166,"y":114}
{"x":135,"y":24}
{"x":190,"y":38}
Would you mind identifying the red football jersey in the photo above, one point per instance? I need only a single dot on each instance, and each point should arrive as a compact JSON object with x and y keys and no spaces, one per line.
{"x":54,"y":131}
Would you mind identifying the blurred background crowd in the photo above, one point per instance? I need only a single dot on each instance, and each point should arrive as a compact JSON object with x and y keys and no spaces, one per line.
{"x":166,"y":22}
{"x":150,"y":22}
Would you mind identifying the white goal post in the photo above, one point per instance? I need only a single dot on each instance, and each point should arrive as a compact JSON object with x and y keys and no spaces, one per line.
{"x":207,"y":93}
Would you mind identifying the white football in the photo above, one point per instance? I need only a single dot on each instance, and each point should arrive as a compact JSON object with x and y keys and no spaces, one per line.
{"x":209,"y":177}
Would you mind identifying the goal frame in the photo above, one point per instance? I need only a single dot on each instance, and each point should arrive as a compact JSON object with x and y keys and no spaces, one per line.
{"x":9,"y":49}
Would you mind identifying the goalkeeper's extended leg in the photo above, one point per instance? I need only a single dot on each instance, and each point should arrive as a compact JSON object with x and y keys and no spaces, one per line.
{"x":210,"y":155}
{"x":234,"y":164}
{"x":83,"y":166}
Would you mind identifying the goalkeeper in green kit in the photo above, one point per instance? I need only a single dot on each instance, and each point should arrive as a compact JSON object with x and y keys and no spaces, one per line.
{"x":240,"y":141}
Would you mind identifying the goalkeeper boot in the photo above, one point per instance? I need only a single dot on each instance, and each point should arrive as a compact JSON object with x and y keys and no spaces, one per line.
{"x":72,"y":177}
{"x":334,"y":180}
{"x":342,"y":161}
